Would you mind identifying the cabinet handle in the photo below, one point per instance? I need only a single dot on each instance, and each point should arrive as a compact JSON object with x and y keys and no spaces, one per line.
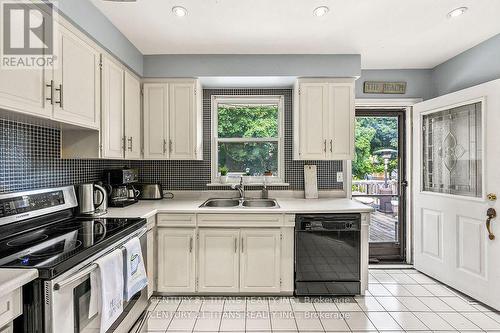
{"x":241,"y":244}
{"x":60,"y":102}
{"x":235,"y":244}
{"x":191,"y":244}
{"x":130,"y":144}
{"x":324,"y":148}
{"x":123,"y":143}
{"x":331,"y":145}
{"x":51,"y":86}
{"x":170,"y":146}
{"x":164,"y":146}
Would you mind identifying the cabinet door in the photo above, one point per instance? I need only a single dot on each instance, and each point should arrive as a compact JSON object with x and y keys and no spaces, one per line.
{"x":24,"y":90}
{"x":341,"y":121}
{"x":112,"y":110}
{"x":155,"y":120}
{"x":132,"y":117}
{"x":218,"y":260}
{"x":260,"y":260}
{"x":77,"y":81}
{"x":150,"y":237}
{"x":176,"y":260}
{"x":182,"y":115}
{"x":313,"y":120}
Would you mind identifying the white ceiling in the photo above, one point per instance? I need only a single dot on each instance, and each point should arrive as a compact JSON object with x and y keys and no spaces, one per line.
{"x":387,"y":33}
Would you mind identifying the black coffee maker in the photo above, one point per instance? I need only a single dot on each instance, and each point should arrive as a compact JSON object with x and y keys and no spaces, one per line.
{"x":120,"y":184}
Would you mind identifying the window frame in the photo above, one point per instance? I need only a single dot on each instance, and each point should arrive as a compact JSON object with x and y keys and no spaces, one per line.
{"x":248,"y":99}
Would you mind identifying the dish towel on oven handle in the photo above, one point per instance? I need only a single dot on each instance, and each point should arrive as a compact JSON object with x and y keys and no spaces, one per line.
{"x":134,"y":269}
{"x":106,"y":285}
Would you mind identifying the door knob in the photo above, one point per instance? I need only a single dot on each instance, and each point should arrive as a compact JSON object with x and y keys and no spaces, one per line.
{"x":491,"y":213}
{"x":492,"y":197}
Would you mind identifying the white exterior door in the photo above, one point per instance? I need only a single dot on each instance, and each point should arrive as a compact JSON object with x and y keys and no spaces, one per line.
{"x":155,"y":120}
{"x":456,"y":167}
{"x":182,"y":115}
{"x":176,"y":260}
{"x":77,"y":81}
{"x":218,"y":260}
{"x":113,"y":139}
{"x":313,"y":121}
{"x":260,"y":260}
{"x":132,"y":117}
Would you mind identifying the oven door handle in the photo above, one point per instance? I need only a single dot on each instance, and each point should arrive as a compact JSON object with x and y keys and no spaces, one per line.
{"x":91,"y":267}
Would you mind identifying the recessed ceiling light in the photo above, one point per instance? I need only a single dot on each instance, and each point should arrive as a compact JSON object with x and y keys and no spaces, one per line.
{"x":179,"y":11}
{"x":321,"y":11}
{"x":457,"y":12}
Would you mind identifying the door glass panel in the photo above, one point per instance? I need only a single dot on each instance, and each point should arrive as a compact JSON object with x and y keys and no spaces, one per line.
{"x":452,"y":151}
{"x":375,"y":172}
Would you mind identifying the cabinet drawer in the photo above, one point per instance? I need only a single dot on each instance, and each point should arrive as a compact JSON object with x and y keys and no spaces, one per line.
{"x":10,"y":307}
{"x":240,"y":220}
{"x":176,"y":220}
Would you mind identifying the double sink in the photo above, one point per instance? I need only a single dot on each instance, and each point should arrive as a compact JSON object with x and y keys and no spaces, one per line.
{"x":240,"y":203}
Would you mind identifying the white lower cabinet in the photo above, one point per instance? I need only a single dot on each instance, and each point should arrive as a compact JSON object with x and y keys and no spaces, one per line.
{"x":10,"y":308}
{"x":260,"y":260}
{"x":218,"y":260}
{"x":224,"y":254}
{"x":176,"y":260}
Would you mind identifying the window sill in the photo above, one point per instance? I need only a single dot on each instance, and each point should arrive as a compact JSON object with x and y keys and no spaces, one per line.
{"x":247,"y":184}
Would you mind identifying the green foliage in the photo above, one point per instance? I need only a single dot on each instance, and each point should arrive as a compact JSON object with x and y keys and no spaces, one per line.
{"x":372,"y":134}
{"x":248,"y":122}
{"x":223,"y":170}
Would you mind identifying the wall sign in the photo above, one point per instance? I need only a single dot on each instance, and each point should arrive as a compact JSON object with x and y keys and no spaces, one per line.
{"x":379,"y":87}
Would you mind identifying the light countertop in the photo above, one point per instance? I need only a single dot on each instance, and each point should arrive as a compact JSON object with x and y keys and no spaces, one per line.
{"x":11,"y":279}
{"x":148,"y":208}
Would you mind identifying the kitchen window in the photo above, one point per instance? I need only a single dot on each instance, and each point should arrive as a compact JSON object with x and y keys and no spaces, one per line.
{"x":248,"y":139}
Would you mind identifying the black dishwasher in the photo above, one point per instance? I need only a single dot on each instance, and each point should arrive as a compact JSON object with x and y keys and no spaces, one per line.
{"x":327,"y":254}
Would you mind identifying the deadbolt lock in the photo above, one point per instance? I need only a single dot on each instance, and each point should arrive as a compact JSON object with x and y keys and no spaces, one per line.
{"x":492,"y":197}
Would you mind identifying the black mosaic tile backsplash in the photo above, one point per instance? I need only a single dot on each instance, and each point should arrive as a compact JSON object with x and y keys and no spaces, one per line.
{"x":30,"y":157}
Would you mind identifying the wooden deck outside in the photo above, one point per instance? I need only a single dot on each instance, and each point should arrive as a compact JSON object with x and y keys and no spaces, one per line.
{"x":383,"y":227}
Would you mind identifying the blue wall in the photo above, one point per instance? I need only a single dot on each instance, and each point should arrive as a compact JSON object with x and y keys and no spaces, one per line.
{"x":196,"y":65}
{"x":419,"y":82}
{"x":476,"y":65}
{"x":85,"y":15}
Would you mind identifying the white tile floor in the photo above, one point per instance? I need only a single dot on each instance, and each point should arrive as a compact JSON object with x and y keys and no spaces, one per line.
{"x":398,"y":301}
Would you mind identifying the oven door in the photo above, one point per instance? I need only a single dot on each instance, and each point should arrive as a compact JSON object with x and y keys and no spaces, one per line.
{"x":67,"y":307}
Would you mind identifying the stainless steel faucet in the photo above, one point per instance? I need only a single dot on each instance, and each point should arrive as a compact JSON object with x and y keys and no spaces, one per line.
{"x":240,"y":187}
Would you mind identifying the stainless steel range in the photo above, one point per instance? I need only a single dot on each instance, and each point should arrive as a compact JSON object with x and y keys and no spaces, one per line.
{"x":38,"y":230}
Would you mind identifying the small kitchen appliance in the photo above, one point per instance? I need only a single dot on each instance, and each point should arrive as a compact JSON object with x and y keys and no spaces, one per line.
{"x":92,"y":200}
{"x":38,"y":230}
{"x":121,"y":186}
{"x":151,"y":191}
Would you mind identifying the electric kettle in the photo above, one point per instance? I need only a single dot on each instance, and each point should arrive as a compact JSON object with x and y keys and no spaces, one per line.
{"x":92,"y":200}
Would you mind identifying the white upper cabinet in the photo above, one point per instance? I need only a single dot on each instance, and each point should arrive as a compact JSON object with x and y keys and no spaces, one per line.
{"x":218,"y":260}
{"x":182,"y":121}
{"x":68,"y":92}
{"x":132,"y":117}
{"x":24,"y":90}
{"x":77,"y":81}
{"x":324,"y":119}
{"x":112,"y":136}
{"x":172,"y":120}
{"x":155,"y":120}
